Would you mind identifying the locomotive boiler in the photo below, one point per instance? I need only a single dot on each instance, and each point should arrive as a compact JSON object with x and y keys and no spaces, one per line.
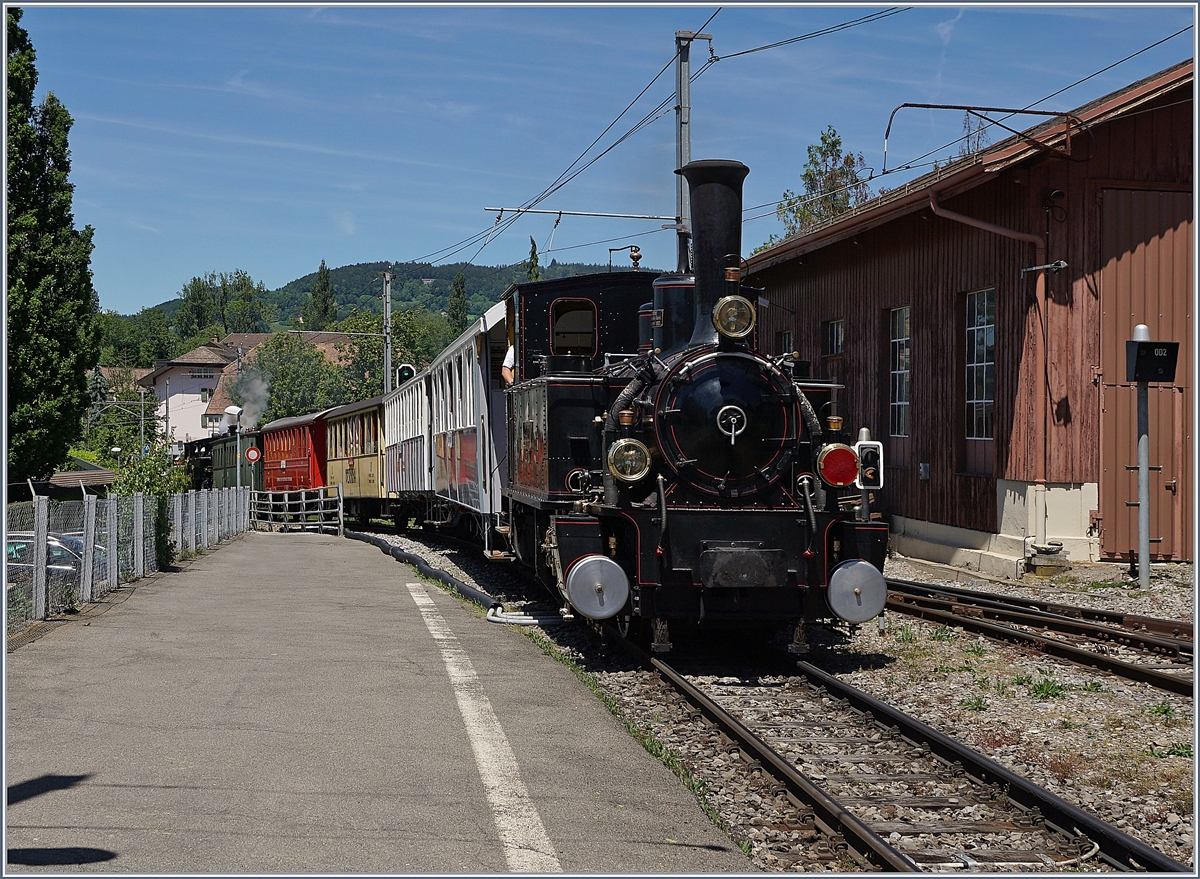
{"x":692,"y":480}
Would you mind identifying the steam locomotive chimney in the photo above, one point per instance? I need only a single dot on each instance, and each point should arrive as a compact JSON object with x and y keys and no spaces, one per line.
{"x":716,"y":193}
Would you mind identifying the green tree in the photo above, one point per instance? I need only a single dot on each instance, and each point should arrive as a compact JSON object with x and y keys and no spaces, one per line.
{"x":361,"y":357}
{"x":320,"y":310}
{"x":297,"y":375}
{"x":138,"y":340}
{"x":229,"y":300}
{"x":118,"y":418}
{"x":534,"y":271}
{"x":832,"y":184}
{"x":456,"y":310}
{"x":52,"y":336}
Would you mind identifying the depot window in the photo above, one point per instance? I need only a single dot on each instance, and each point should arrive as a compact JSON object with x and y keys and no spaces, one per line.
{"x":573,"y":326}
{"x":900,"y":358}
{"x":833,"y":337}
{"x":980,"y":346}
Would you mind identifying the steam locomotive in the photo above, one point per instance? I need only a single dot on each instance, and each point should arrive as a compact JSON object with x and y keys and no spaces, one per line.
{"x":650,"y":471}
{"x":697,"y":481}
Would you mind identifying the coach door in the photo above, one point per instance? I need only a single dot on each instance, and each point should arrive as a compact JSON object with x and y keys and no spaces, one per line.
{"x":1146,"y":271}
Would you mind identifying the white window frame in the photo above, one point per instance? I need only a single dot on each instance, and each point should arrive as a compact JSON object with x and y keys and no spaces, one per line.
{"x":979,"y":379}
{"x":900,"y":371}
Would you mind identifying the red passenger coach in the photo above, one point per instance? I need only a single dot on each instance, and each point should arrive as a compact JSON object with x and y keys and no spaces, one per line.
{"x":294,"y":453}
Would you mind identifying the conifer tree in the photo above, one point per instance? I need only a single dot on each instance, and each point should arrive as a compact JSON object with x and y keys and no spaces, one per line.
{"x":321,"y":308}
{"x":535,"y":271}
{"x":456,"y":310}
{"x":52,"y":337}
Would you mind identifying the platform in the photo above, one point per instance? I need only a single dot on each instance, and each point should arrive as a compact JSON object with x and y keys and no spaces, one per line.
{"x":288,"y":703}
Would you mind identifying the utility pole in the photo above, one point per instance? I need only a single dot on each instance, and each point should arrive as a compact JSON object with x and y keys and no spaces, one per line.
{"x":683,"y":142}
{"x":387,"y":331}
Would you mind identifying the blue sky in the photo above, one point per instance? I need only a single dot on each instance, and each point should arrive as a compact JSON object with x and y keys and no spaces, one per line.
{"x":270,"y":138}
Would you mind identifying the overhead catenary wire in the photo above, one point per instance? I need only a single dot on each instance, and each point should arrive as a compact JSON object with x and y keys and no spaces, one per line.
{"x":916,"y":162}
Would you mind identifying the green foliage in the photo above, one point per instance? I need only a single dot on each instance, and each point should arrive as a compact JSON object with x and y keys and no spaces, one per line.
{"x":230,"y":300}
{"x":321,"y":308}
{"x":975,"y":703}
{"x":832,"y":185}
{"x":456,"y":310}
{"x":1164,"y":710}
{"x":943,"y":633}
{"x":906,"y":634}
{"x":1047,"y":688}
{"x":976,"y":650}
{"x":361,"y":366}
{"x":117,"y":420}
{"x":300,"y":379}
{"x":534,"y":271}
{"x":359,"y":286}
{"x":157,"y":477}
{"x":52,"y":339}
{"x":137,"y":341}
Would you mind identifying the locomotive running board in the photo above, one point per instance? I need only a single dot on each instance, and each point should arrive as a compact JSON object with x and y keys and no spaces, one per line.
{"x":499,"y":555}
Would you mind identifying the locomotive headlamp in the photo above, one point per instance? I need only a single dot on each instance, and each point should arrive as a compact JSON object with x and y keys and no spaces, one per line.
{"x":837,"y":465}
{"x":733,"y":316}
{"x":629,"y":460}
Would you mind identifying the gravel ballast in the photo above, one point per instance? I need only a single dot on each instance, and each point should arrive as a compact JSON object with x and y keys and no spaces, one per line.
{"x":1121,"y":750}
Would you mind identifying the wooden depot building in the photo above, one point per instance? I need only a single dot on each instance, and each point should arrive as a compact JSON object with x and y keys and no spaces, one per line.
{"x":978,"y":315}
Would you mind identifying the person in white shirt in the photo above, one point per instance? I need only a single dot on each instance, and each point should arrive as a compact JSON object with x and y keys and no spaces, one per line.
{"x":507,"y":368}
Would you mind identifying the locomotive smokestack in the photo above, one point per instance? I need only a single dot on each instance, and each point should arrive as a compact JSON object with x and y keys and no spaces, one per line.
{"x":716,"y":193}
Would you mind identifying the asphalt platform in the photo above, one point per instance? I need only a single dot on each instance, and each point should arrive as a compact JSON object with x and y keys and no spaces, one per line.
{"x":300,"y":703}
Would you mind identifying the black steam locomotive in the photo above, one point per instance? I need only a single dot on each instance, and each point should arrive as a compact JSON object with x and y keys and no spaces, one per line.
{"x":694,"y":481}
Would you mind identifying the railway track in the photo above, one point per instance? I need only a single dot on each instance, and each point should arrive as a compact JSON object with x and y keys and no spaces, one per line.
{"x":1154,"y":651}
{"x":889,"y":793}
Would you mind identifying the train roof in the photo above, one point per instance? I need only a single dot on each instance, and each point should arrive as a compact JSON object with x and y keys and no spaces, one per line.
{"x":350,"y":408}
{"x":295,"y":421}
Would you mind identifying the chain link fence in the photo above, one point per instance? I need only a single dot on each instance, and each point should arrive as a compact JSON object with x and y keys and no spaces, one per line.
{"x":89,"y":547}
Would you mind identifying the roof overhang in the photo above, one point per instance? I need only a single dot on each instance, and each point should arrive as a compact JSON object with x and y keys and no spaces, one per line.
{"x":1033,"y":144}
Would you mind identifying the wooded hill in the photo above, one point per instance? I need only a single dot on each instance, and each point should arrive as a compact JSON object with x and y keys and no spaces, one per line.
{"x":413,"y":285}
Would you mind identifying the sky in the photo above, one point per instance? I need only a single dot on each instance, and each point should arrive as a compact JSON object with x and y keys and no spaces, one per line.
{"x":210,"y":138}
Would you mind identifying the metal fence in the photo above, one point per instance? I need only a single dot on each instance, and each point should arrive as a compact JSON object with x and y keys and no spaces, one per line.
{"x":315,"y":509}
{"x":90,"y":547}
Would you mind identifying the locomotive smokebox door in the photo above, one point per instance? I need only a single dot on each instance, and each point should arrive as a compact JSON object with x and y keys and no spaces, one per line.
{"x":857,"y":591}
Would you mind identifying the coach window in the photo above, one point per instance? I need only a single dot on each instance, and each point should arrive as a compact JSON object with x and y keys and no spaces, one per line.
{"x":573,"y":326}
{"x":979,"y":381}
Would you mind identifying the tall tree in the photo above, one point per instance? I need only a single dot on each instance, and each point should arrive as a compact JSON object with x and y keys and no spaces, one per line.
{"x":321,"y":308}
{"x":231,"y":301}
{"x":361,"y":357}
{"x":456,"y":311}
{"x":832,"y":184}
{"x":298,"y":377}
{"x":52,"y":306}
{"x":535,"y":271}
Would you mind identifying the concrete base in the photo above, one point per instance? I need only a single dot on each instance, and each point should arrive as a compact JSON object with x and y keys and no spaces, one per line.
{"x":991,"y":554}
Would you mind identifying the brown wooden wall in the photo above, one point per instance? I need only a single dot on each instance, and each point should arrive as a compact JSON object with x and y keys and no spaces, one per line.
{"x":929,"y":263}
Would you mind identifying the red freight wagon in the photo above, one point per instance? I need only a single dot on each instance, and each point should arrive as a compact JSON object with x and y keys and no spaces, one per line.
{"x":294,"y":453}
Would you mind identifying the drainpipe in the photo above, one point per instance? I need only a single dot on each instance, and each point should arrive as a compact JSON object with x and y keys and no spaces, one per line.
{"x":1039,"y":402}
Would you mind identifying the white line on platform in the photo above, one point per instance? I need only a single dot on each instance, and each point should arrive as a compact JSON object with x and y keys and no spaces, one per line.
{"x":527,"y":848}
